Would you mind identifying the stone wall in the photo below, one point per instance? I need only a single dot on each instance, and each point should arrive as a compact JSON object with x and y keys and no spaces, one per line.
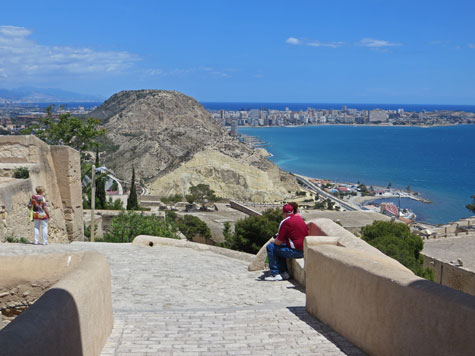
{"x":73,"y":317}
{"x":56,"y":168}
{"x":378,"y":304}
{"x":452,"y":276}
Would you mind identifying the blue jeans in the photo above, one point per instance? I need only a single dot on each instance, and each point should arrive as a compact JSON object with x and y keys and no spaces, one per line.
{"x":277,"y":254}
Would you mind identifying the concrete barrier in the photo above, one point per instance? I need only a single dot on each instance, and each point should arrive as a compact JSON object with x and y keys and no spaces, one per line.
{"x":381,"y":306}
{"x":73,"y":317}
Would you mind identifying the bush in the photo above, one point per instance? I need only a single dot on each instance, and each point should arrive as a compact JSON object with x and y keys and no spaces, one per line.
{"x":114,"y":205}
{"x":21,"y":173}
{"x":21,"y":240}
{"x":396,"y":240}
{"x":127,"y":225}
{"x":189,"y":225}
{"x":251,"y":233}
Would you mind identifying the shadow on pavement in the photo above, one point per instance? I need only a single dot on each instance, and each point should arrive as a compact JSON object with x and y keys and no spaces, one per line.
{"x":331,"y":335}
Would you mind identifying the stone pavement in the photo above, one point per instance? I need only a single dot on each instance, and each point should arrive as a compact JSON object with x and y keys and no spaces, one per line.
{"x":178,"y":301}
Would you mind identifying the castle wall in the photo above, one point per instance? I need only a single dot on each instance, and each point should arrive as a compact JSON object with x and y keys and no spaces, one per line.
{"x":57,"y":169}
{"x":381,"y":306}
{"x":452,"y":276}
{"x":68,"y":174}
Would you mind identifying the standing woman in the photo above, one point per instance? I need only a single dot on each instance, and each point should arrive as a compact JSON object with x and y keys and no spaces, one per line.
{"x":40,"y":214}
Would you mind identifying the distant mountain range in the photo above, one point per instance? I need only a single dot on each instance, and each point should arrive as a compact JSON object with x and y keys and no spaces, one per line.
{"x":44,"y":95}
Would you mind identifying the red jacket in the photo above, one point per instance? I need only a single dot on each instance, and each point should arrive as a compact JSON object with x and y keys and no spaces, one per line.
{"x":292,"y":231}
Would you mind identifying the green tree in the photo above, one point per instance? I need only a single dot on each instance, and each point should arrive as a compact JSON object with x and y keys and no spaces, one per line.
{"x":471,"y":206}
{"x":128,"y":225}
{"x":114,"y":205}
{"x":98,"y":162}
{"x":201,"y":192}
{"x":80,"y":134}
{"x":101,"y":192}
{"x":251,"y":233}
{"x":115,"y":186}
{"x":132,"y":202}
{"x":191,"y":226}
{"x":396,"y":240}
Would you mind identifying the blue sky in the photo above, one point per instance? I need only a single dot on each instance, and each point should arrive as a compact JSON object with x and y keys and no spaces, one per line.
{"x":368,"y":51}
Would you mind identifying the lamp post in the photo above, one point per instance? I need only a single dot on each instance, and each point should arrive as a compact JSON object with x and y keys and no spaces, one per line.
{"x":93,"y":200}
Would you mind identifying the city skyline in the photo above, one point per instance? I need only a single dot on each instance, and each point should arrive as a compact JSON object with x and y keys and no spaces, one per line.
{"x":269,"y":51}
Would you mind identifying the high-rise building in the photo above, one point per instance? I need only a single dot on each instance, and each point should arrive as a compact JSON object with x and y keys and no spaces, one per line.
{"x":234,"y":127}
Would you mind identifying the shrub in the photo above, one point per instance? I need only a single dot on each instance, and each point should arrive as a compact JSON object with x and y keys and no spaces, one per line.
{"x":114,"y":205}
{"x":189,"y":225}
{"x":127,"y":225}
{"x":21,"y":173}
{"x":396,"y":240}
{"x":251,"y":233}
{"x":21,"y":240}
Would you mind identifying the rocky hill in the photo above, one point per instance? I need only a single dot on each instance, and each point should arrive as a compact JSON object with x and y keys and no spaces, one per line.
{"x":173,"y":143}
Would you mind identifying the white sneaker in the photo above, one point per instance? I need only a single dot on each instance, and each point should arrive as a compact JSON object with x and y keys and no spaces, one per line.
{"x":275,"y":278}
{"x":285,"y":276}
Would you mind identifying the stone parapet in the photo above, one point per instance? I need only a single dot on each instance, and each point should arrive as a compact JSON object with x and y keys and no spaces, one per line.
{"x":451,"y":275}
{"x":73,"y":317}
{"x":378,"y":304}
{"x":151,"y":241}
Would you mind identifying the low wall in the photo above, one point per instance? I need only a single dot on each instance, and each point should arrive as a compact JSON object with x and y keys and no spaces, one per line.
{"x":73,"y":317}
{"x":243,"y":209}
{"x":381,"y":306}
{"x":151,"y":241}
{"x":456,"y":277}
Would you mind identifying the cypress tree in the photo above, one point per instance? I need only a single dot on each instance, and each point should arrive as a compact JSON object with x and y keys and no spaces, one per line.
{"x":97,"y":163}
{"x":101,"y":192}
{"x":132,"y":203}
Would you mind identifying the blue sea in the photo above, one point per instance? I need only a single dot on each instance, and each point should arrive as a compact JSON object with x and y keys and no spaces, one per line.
{"x":437,"y":162}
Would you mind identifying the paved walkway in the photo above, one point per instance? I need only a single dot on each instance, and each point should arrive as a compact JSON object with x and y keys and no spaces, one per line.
{"x":179,"y":301}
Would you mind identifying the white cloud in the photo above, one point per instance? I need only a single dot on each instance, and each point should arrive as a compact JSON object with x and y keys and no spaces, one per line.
{"x":325,"y":44}
{"x":371,"y":42}
{"x":13,"y":31}
{"x":471,"y":45}
{"x":175,"y":72}
{"x":313,"y":43}
{"x":292,"y":41}
{"x":21,"y":57}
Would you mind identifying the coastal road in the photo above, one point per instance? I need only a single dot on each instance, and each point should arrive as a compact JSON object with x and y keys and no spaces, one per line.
{"x":316,"y":189}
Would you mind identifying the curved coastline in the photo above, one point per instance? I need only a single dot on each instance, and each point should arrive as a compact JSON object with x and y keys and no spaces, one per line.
{"x":433,"y":162}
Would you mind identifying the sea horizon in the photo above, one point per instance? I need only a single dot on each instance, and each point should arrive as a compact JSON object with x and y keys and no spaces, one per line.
{"x":236,"y":106}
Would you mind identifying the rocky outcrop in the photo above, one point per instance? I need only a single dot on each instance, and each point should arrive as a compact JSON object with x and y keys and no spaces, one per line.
{"x":173,"y":143}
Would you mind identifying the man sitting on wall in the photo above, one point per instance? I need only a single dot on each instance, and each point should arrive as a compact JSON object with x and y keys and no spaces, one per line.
{"x":287,"y":244}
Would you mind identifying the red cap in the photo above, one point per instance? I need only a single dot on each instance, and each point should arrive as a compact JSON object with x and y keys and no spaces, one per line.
{"x":288,"y":208}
